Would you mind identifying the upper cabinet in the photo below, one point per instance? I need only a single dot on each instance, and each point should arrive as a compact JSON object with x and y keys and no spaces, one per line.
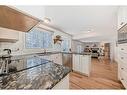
{"x":8,"y":35}
{"x":36,"y":11}
{"x":13,"y":19}
{"x":122,"y":16}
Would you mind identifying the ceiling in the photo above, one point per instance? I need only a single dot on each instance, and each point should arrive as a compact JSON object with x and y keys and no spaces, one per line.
{"x":85,"y":23}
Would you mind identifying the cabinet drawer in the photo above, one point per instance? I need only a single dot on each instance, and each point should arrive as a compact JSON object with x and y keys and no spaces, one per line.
{"x":123,"y":78}
{"x":123,"y":58}
{"x":56,"y":58}
{"x":123,"y":67}
{"x":123,"y":48}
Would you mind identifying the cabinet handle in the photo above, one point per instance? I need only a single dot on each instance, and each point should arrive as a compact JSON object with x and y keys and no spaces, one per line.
{"x":122,"y":49}
{"x":122,"y":79}
{"x":122,"y":68}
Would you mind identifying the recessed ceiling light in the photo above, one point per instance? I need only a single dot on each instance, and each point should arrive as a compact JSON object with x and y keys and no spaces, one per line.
{"x":88,"y":31}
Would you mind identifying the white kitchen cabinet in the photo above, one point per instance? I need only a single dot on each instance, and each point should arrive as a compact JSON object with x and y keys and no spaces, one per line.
{"x":76,"y":62}
{"x":122,"y":16}
{"x":57,"y":58}
{"x":8,"y":35}
{"x":122,"y":64}
{"x":82,"y":64}
{"x":85,"y":64}
{"x":63,"y":84}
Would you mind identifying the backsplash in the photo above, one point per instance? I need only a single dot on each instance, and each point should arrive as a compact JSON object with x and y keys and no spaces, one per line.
{"x":18,"y":48}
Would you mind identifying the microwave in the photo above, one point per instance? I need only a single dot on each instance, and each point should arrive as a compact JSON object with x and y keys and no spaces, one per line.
{"x":122,"y":34}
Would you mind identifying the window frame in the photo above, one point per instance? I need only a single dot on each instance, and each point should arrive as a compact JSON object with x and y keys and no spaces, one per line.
{"x":43,"y":30}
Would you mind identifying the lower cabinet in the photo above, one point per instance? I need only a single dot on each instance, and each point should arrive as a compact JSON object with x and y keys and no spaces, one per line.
{"x":57,"y":58}
{"x":8,"y":35}
{"x":122,"y":64}
{"x":82,"y":64}
{"x":86,"y":64}
{"x":76,"y":62}
{"x":63,"y":84}
{"x":123,"y":78}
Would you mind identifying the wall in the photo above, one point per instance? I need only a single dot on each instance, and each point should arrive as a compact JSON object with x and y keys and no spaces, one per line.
{"x":75,"y":43}
{"x":19,"y":47}
{"x":21,"y":44}
{"x":113,"y":48}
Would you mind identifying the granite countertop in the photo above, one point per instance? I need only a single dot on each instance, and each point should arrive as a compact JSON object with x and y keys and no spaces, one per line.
{"x":49,"y":53}
{"x":31,"y":72}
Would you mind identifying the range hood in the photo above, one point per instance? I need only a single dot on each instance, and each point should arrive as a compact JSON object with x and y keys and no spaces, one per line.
{"x":12,"y":19}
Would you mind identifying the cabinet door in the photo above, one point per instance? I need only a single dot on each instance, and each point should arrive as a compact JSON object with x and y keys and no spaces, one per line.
{"x":76,"y":62}
{"x":57,"y":58}
{"x":85,"y":64}
{"x":9,"y":35}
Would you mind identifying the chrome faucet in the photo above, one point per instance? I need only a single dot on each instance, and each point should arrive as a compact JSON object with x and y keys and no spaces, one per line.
{"x":8,"y":51}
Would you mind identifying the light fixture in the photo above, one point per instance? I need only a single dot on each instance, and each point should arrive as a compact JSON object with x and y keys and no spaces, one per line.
{"x":47,"y":20}
{"x":88,"y":31}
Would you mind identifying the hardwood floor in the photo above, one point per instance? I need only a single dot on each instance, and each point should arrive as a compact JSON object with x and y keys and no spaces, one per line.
{"x":103,"y":76}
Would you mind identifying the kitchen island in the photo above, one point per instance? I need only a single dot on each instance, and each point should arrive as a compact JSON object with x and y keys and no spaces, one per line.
{"x":78,"y":62}
{"x":32,"y":72}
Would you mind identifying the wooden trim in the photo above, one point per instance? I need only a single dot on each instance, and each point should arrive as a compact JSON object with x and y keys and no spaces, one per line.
{"x":16,"y":20}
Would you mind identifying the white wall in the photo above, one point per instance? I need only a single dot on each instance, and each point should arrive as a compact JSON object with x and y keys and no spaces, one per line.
{"x":75,"y":43}
{"x":21,"y":44}
{"x":38,"y":12}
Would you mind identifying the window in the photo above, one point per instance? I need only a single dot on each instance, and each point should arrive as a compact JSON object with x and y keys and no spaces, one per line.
{"x":37,"y":38}
{"x":65,"y":45}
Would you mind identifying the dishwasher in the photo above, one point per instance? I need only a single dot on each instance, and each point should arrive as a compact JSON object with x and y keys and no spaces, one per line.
{"x":67,"y":60}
